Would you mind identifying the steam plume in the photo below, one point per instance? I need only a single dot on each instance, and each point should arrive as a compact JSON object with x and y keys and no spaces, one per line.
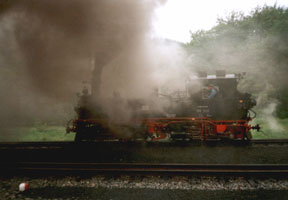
{"x":47,"y":47}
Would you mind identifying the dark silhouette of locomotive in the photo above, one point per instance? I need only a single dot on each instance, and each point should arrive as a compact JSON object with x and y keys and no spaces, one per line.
{"x":211,"y":107}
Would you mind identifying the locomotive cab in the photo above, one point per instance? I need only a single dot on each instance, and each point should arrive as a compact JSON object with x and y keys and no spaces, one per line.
{"x":219,"y":98}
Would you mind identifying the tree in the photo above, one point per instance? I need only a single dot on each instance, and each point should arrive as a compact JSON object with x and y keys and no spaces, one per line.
{"x":256,"y":43}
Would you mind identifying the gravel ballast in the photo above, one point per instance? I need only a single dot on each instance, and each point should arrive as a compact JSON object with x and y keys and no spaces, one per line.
{"x":80,"y":188}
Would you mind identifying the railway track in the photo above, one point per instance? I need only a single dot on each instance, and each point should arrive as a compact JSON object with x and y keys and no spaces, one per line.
{"x":64,"y":168}
{"x":58,"y":145}
{"x":210,"y":152}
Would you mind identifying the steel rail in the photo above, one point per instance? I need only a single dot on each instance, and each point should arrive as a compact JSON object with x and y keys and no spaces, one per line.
{"x":146,"y":168}
{"x":55,"y":145}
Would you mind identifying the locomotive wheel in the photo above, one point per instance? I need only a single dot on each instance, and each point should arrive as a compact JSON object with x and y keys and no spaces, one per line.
{"x":231,"y":136}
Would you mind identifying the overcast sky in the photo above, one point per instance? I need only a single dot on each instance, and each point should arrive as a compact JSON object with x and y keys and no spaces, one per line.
{"x":177,"y":17}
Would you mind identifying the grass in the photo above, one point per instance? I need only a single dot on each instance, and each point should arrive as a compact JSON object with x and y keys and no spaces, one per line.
{"x":271,"y":128}
{"x":35,"y":133}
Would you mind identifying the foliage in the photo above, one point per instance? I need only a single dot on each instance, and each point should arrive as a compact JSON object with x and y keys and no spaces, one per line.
{"x":256,"y":43}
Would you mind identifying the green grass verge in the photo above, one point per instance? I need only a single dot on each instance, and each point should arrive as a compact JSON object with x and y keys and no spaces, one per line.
{"x":35,"y":133}
{"x":271,"y":128}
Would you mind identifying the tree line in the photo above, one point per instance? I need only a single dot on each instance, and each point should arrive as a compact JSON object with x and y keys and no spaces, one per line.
{"x":256,"y":43}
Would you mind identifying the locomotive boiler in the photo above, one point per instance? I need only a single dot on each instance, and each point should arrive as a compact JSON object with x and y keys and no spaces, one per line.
{"x":211,"y":107}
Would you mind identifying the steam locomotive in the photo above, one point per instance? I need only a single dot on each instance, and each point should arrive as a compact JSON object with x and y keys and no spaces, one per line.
{"x":211,"y":107}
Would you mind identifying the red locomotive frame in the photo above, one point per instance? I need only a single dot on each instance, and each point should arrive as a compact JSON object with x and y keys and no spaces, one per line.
{"x":159,"y":129}
{"x":199,"y":128}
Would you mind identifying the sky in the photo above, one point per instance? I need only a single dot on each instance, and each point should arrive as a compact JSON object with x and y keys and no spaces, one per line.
{"x":177,"y":18}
